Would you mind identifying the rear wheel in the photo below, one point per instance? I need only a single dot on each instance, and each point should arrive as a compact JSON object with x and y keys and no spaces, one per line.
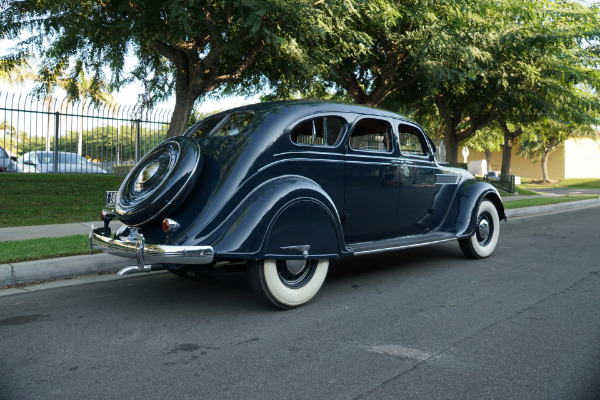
{"x":487,"y":232}
{"x":287,"y":283}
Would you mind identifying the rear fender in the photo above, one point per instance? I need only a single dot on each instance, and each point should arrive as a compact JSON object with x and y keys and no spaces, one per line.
{"x":277,"y":219}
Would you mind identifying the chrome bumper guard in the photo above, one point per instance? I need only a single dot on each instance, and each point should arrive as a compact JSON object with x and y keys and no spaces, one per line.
{"x":134,"y":246}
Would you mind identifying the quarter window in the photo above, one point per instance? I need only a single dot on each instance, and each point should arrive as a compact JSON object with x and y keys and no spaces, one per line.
{"x":371,"y":134}
{"x":323,"y":131}
{"x":410,"y":141}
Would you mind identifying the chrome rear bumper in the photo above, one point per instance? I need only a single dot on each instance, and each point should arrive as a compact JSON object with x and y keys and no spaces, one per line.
{"x":135,"y":247}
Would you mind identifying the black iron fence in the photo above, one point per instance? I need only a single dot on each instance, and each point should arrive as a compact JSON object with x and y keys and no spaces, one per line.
{"x":79,"y":137}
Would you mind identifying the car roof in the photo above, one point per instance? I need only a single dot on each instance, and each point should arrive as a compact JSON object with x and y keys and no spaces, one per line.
{"x":312,"y":104}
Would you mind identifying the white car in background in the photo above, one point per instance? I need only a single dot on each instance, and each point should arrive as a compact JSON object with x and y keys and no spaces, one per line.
{"x":43,"y":162}
{"x":7,"y":162}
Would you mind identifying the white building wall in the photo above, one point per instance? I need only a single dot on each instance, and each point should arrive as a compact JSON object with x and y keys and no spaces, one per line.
{"x":582,"y":158}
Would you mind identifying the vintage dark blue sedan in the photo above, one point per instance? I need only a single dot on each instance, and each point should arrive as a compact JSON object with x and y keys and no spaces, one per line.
{"x":284,"y":187}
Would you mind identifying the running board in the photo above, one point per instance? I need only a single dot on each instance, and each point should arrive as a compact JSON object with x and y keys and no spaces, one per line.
{"x":400,"y":243}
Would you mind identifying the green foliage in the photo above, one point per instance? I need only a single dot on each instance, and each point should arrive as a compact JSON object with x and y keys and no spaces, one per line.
{"x":190,"y":47}
{"x":487,"y":140}
{"x":453,"y":65}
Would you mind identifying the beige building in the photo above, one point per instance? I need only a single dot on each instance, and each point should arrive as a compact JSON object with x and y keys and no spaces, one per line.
{"x":576,"y":158}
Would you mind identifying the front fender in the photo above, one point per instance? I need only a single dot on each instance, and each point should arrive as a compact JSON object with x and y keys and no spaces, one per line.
{"x":471,"y":194}
{"x":288,"y":211}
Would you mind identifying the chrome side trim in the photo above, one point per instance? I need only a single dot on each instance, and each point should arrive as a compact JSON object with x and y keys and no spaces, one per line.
{"x":144,"y":253}
{"x":408,"y":246}
{"x":443,"y":179}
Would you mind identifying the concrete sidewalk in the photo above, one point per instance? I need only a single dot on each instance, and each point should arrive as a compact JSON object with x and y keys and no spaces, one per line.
{"x":68,"y":267}
{"x":56,"y":230}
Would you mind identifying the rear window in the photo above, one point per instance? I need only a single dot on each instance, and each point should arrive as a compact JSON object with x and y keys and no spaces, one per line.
{"x":234,"y":125}
{"x":323,"y":131}
{"x":229,"y":125}
{"x":206,"y":126}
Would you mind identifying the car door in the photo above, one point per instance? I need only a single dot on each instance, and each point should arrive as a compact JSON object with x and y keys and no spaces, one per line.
{"x":371,"y":187}
{"x":417,"y":174}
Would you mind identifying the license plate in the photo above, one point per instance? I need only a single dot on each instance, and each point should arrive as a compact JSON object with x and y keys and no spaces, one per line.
{"x":111,"y":197}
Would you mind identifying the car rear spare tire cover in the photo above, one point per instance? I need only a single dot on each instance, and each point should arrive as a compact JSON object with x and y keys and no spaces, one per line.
{"x":159,"y":183}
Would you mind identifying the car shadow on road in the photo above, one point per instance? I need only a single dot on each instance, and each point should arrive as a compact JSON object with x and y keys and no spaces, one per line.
{"x":223,"y":289}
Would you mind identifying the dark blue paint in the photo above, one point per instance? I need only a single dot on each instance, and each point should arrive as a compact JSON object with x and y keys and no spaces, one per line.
{"x":258,"y":191}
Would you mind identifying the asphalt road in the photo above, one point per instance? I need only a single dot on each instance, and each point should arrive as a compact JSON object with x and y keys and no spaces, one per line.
{"x":418,"y":324}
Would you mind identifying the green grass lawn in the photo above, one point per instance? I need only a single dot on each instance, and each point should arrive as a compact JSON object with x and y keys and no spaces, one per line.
{"x":41,"y":199}
{"x":573,"y":183}
{"x":540,"y":201}
{"x":36,"y":249}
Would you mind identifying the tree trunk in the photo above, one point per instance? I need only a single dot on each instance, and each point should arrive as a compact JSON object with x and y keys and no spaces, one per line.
{"x":509,"y":140}
{"x":451,"y":146}
{"x":181,"y":114}
{"x":488,"y":158}
{"x":545,"y":177}
{"x":185,"y":97}
{"x":506,"y":156}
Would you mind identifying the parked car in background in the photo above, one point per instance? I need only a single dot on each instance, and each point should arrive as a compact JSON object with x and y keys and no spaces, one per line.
{"x":7,"y":162}
{"x":281,"y":188}
{"x":43,"y":162}
{"x":493,"y":175}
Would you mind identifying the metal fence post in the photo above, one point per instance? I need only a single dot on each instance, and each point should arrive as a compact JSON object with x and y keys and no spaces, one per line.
{"x":138,"y":143}
{"x":55,"y":157}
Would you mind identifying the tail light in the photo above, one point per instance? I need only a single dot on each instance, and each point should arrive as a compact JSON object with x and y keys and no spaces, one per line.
{"x":169,"y":225}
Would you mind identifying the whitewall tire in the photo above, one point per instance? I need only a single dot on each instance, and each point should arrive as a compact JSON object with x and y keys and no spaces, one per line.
{"x":287,"y":283}
{"x":487,"y":231}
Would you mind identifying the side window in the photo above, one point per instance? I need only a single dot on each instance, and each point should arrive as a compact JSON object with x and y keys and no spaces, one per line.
{"x":206,"y":126}
{"x":234,"y":125}
{"x":322,"y":131}
{"x":411,"y":142}
{"x":371,"y":134}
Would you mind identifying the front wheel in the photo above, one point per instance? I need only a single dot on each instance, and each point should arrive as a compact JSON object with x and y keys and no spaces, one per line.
{"x":287,"y":283}
{"x":487,"y":231}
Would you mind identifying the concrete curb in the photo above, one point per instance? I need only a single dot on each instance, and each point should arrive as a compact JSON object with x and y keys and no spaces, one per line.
{"x":68,"y":267}
{"x":549,"y":208}
{"x":62,"y":267}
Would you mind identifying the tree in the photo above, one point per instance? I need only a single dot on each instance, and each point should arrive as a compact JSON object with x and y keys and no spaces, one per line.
{"x":544,"y":78}
{"x":15,"y":71}
{"x":488,"y":140}
{"x":461,"y":64}
{"x":191,"y":47}
{"x":425,"y":55}
{"x":545,"y":137}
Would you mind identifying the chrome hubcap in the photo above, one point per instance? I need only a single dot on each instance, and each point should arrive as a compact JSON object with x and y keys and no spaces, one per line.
{"x":483,"y":229}
{"x":296,"y":273}
{"x":294,"y":267}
